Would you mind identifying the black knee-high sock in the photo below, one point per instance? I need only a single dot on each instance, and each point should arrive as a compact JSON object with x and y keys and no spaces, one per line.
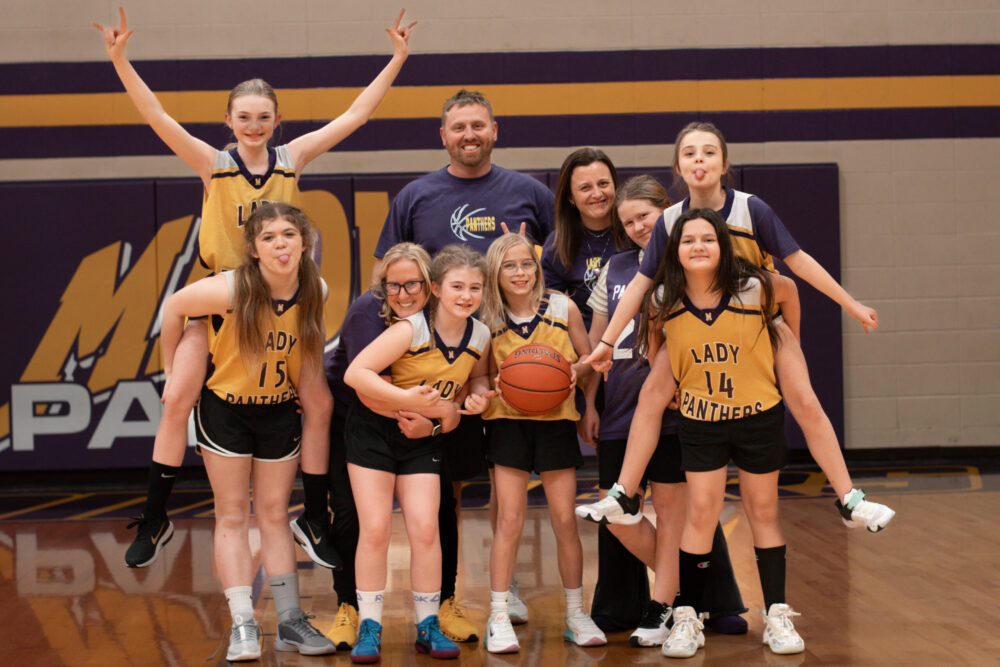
{"x":315,"y":487}
{"x":771,"y":567}
{"x":345,"y":515}
{"x":693,"y":574}
{"x":448,"y":533}
{"x":161,"y":483}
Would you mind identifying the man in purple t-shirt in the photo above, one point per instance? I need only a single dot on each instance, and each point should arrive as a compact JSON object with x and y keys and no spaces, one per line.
{"x":471,"y":200}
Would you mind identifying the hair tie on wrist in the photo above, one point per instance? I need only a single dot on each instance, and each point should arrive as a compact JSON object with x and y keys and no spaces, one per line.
{"x":607,"y":343}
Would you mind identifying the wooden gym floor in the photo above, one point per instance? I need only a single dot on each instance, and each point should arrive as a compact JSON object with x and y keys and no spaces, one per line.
{"x":923,"y":592}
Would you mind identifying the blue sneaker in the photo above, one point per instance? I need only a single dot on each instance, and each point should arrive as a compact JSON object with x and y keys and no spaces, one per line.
{"x":368,"y":647}
{"x":432,"y":641}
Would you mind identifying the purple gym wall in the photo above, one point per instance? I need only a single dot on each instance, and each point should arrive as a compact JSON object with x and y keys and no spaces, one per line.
{"x":80,"y":380}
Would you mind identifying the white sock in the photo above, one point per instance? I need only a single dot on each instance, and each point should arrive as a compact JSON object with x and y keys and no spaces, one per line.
{"x":370,"y":605}
{"x":574,"y":600}
{"x":425,"y":604}
{"x":498,"y":602}
{"x":240,"y":604}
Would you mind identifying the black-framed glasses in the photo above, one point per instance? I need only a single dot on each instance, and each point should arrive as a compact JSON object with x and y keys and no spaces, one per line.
{"x":410,"y":287}
{"x":526,"y":265}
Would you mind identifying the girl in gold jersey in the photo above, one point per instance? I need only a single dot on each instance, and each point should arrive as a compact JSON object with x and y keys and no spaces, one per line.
{"x":267,"y":323}
{"x":519,"y":311}
{"x":236,"y":180}
{"x":432,"y":358}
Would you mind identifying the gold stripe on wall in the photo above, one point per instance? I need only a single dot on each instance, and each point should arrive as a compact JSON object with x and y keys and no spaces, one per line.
{"x":557,"y":99}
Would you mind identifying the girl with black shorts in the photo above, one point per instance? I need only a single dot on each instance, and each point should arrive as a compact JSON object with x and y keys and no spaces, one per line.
{"x":431,"y":356}
{"x":237,"y":180}
{"x":519,"y":312}
{"x":265,"y":322}
{"x":639,"y":202}
{"x":716,"y":312}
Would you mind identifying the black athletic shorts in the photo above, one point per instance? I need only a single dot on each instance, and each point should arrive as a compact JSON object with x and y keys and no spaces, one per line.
{"x":534,"y":446}
{"x":465,"y":449}
{"x":756,"y":443}
{"x":265,"y":432}
{"x":663,"y":468}
{"x":375,"y":442}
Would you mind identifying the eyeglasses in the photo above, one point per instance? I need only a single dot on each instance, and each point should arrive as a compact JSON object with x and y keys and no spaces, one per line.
{"x":410,"y":287}
{"x":528,"y":266}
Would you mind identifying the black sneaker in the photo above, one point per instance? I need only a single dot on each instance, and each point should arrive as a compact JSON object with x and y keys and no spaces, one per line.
{"x":654,"y":625}
{"x":314,"y":537}
{"x":153,"y":533}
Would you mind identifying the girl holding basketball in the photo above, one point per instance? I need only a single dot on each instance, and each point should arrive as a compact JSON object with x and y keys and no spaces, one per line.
{"x":701,"y":160}
{"x":639,"y":202}
{"x":431,"y":356}
{"x":237,"y":180}
{"x":266,"y":342}
{"x":520,"y":312}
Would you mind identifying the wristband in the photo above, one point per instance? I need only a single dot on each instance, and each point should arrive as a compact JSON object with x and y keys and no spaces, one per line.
{"x":436,"y":427}
{"x":607,"y":343}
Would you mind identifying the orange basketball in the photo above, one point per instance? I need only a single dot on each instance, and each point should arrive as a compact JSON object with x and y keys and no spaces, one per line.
{"x":534,"y":379}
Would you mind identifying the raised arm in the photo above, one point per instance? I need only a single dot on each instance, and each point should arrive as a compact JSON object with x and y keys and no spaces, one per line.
{"x":209,"y":296}
{"x":198,"y":154}
{"x":311,"y":145}
{"x":811,"y":271}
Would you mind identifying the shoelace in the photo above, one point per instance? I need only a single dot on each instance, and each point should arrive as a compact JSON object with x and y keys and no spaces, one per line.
{"x":301,"y":625}
{"x":456,"y":610}
{"x":686,"y":626}
{"x":780,"y":624}
{"x":368,"y":632}
{"x":343,"y":619}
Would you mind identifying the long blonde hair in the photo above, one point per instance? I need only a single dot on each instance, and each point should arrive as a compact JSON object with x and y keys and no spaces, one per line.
{"x":493,"y":312}
{"x":253,"y":304}
{"x":404,"y":250}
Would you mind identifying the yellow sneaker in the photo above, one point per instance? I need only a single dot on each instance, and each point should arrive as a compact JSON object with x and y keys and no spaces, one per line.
{"x":344,"y":631}
{"x":454,"y":624}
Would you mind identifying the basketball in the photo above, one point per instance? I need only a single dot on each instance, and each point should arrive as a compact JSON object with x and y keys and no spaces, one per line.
{"x":534,"y":379}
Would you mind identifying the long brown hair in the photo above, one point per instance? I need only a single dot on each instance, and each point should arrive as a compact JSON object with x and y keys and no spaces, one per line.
{"x":569,"y":226}
{"x":254,"y":307}
{"x":731,"y":276}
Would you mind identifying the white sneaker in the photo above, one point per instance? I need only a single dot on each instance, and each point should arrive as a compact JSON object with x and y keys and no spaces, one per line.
{"x":856,"y":511}
{"x":686,"y":637}
{"x":652,"y":630}
{"x":779,"y":633}
{"x":244,"y":641}
{"x":615,"y":507}
{"x":516,"y":609}
{"x":582,"y":631}
{"x":500,"y":637}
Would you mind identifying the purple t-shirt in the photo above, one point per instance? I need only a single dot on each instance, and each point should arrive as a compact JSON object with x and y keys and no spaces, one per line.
{"x":595,"y":250}
{"x":629,"y":370}
{"x":362,"y":324}
{"x":439,"y":208}
{"x":767,"y":230}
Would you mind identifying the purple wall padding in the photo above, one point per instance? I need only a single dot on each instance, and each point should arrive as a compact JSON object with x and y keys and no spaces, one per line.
{"x":88,"y":265}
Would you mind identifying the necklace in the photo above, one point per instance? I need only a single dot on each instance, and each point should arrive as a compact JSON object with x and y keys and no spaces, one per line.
{"x":589,"y":235}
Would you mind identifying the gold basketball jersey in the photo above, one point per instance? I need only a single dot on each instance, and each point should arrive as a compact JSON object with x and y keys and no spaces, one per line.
{"x":549,"y":326}
{"x":722,"y":358}
{"x":429,"y":361}
{"x":270,"y":379}
{"x":232,"y":196}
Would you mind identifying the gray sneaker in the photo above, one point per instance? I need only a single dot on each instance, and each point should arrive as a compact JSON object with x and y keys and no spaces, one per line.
{"x":296,"y":634}
{"x":244,"y":641}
